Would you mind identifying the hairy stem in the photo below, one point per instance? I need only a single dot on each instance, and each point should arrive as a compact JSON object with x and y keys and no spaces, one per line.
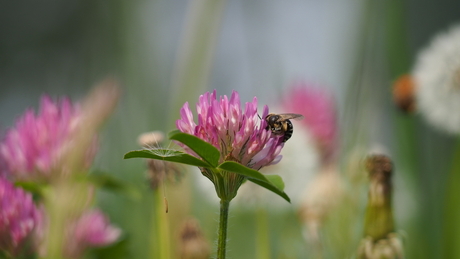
{"x":223,"y":222}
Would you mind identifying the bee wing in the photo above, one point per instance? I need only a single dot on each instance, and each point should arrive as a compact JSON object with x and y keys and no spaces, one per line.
{"x":289,"y":116}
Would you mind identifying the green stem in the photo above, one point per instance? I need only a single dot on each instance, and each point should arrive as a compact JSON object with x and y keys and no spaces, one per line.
{"x":379,"y":221}
{"x":55,"y":233}
{"x":160,"y":246}
{"x":263,"y":241}
{"x":65,"y":201}
{"x":451,"y":226}
{"x":223,"y":222}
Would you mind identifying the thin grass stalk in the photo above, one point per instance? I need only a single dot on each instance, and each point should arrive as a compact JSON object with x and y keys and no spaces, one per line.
{"x":160,"y":246}
{"x":262,"y":238}
{"x":451,"y":225}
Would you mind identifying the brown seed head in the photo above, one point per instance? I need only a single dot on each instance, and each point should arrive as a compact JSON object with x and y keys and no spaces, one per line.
{"x":193,"y":244}
{"x":158,"y":171}
{"x":379,"y":165}
{"x":389,"y":247}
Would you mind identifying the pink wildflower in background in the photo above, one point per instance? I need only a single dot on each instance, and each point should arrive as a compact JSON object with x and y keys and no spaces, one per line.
{"x":18,"y":217}
{"x":31,"y":149}
{"x":92,"y":229}
{"x":318,"y":107}
{"x":240,"y":136}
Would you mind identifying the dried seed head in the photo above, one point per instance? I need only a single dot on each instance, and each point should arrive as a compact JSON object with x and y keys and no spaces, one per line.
{"x":379,"y":221}
{"x":158,"y":171}
{"x":321,"y":198}
{"x":436,"y":76}
{"x":193,"y":244}
{"x":390,"y":247}
{"x":151,"y":139}
{"x":379,"y":165}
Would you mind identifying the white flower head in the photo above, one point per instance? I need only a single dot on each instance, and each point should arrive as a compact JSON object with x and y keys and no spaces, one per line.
{"x":437,"y":79}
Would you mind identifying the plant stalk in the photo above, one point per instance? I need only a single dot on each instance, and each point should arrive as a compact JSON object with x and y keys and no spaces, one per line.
{"x":223,"y":222}
{"x":161,"y":247}
{"x":451,"y":226}
{"x":65,"y":201}
{"x":263,"y":237}
{"x":379,"y":221}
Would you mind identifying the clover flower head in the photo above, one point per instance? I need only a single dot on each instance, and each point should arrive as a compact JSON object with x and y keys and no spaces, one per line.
{"x":32,"y":148}
{"x":437,"y":81}
{"x":318,"y":108}
{"x":92,"y":229}
{"x":240,"y":136}
{"x":18,"y":217}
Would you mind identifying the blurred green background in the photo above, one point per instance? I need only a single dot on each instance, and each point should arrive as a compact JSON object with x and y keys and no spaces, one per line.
{"x":354,"y":48}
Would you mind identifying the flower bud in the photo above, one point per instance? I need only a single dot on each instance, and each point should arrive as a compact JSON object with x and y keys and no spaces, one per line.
{"x":380,"y":241}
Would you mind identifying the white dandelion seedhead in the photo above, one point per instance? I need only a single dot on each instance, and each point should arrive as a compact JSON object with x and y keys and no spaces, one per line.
{"x":163,"y":152}
{"x":152,"y":141}
{"x":159,"y":150}
{"x":153,"y":138}
{"x":437,"y":80}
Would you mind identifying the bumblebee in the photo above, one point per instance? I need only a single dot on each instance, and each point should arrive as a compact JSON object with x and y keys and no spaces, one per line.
{"x":280,"y":124}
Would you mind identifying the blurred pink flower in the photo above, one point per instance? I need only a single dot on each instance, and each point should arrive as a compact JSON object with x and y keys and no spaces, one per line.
{"x":240,"y":136}
{"x":318,"y":107}
{"x":18,"y":217}
{"x":92,"y":229}
{"x":32,"y":148}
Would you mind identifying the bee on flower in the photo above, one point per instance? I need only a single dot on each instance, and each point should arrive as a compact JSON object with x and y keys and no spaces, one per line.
{"x":240,"y":136}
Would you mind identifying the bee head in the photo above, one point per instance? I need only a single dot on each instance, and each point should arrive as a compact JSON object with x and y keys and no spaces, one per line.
{"x":272,"y":118}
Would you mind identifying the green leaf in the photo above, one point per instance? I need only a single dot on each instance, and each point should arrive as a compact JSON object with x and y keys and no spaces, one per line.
{"x":35,"y":188}
{"x":271,"y":187}
{"x":276,"y":180}
{"x":111,"y":183}
{"x":273,"y":183}
{"x":202,"y":148}
{"x":243,"y":170}
{"x":118,"y":250}
{"x":168,"y":155}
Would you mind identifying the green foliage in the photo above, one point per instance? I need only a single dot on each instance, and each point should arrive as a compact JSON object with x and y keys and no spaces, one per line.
{"x":111,"y":183}
{"x":168,"y":155}
{"x":32,"y":187}
{"x":202,"y":148}
{"x":209,"y":159}
{"x":118,"y":250}
{"x":452,"y":211}
{"x":273,"y":183}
